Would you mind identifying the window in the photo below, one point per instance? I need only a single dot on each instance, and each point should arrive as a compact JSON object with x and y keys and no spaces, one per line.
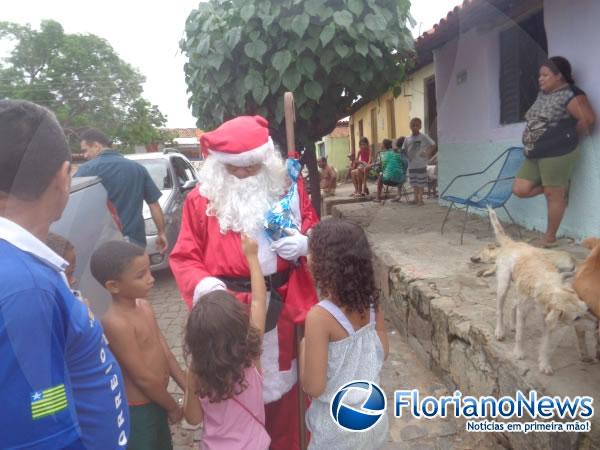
{"x":183,"y":173}
{"x":523,"y":48}
{"x":159,"y":172}
{"x":190,"y":171}
{"x":361,"y":132}
{"x":352,"y":140}
{"x":391,"y":114}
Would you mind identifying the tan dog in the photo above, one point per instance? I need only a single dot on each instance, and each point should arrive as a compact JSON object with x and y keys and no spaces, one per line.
{"x":538,"y":284}
{"x":587,"y":286}
{"x":563,"y":261}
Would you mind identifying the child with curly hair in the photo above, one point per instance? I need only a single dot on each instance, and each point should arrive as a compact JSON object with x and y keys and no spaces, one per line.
{"x":345,"y":337}
{"x":224,"y":387}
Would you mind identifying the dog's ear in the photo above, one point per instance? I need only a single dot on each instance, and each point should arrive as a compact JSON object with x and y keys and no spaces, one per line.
{"x":590,"y":242}
{"x":552,"y":317}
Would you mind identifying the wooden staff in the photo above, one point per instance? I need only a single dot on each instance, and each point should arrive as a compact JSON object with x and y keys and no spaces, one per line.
{"x":290,"y":119}
{"x":289,"y":109}
{"x":309,"y":157}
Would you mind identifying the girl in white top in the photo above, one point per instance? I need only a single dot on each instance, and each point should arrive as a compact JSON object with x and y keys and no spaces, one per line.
{"x":345,"y":337}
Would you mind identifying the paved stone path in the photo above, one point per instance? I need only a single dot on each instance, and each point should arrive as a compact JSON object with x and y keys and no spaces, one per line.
{"x":402,"y":370}
{"x":171,"y":314}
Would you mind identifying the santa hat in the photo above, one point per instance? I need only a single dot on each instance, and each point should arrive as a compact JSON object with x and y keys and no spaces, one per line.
{"x":241,"y":142}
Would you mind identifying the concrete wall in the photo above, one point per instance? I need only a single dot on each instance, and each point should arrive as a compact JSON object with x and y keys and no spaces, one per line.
{"x":414,"y":88}
{"x":410,"y":103}
{"x":403,"y":113}
{"x":469,"y":131}
{"x":383,"y":124}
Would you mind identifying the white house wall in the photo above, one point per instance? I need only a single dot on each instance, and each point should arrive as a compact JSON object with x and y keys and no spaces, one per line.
{"x":414,"y":89}
{"x":469,"y":130}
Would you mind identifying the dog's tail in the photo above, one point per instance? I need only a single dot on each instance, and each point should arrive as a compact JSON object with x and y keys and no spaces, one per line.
{"x":501,"y":235}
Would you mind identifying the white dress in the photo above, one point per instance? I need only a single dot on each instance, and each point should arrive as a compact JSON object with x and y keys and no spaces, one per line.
{"x":356,"y":357}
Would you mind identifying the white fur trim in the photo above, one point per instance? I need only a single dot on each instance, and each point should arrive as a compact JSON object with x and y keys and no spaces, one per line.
{"x":207,"y":285}
{"x":276,"y":382}
{"x":249,"y":157}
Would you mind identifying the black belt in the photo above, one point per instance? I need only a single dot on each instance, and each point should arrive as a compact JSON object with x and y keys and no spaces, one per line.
{"x":242,"y":284}
{"x":273,"y":282}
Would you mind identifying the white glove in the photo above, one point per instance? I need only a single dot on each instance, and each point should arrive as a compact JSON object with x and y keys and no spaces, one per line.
{"x":207,"y":285}
{"x":291,"y":247}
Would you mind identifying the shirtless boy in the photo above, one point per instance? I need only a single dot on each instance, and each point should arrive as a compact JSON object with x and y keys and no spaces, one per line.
{"x":139,"y":346}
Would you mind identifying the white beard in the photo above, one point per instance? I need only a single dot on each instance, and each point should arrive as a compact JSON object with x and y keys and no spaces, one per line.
{"x":240,"y":204}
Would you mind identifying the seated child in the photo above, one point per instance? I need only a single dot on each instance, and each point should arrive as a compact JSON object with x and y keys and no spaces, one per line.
{"x":392,"y":171}
{"x":345,"y":337}
{"x":139,"y":346}
{"x":432,"y":176}
{"x":359,"y":171}
{"x":224,"y":382}
{"x":328,"y":178}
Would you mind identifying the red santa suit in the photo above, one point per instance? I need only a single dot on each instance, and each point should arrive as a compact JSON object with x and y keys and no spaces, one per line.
{"x":204,"y":255}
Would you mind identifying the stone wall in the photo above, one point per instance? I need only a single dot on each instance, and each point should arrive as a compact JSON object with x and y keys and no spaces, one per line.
{"x":452,"y":345}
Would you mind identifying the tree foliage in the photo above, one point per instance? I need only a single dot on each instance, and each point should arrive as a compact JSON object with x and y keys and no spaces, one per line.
{"x":244,"y":54}
{"x":80,"y":78}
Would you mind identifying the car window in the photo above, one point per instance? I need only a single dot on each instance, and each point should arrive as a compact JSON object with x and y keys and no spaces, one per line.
{"x":192,"y":174}
{"x":159,"y":172}
{"x":182,"y":172}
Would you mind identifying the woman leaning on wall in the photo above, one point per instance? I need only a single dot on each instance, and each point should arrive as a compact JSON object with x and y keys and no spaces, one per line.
{"x":560,"y":115}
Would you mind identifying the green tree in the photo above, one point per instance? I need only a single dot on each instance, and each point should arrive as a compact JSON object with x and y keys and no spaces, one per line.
{"x":79,"y":77}
{"x":143,"y":124}
{"x":244,"y":54}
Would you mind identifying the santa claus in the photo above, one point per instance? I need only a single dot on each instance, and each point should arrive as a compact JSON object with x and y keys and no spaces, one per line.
{"x":240,"y":181}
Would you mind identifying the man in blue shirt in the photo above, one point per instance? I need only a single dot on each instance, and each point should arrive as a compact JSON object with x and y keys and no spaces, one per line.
{"x":127,"y":185}
{"x":61,"y":387}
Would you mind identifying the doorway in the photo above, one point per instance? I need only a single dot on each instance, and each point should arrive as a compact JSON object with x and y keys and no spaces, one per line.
{"x":430,"y":109}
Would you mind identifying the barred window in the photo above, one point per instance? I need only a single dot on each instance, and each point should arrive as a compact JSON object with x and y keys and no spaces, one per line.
{"x":523,"y":48}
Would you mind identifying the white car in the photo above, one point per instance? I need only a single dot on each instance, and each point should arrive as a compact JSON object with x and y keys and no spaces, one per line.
{"x":175,"y":176}
{"x":87,"y":222}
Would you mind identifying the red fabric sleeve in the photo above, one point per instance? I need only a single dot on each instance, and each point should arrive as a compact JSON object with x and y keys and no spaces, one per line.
{"x":308,"y":213}
{"x":187,"y":258}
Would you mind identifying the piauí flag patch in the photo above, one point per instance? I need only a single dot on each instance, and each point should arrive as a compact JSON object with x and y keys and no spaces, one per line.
{"x":49,"y":401}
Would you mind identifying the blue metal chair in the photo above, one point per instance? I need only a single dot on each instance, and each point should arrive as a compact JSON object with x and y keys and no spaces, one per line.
{"x":497,"y":195}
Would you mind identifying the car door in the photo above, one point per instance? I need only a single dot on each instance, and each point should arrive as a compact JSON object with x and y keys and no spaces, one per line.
{"x":184,"y":173}
{"x":190,"y":170}
{"x":87,"y":222}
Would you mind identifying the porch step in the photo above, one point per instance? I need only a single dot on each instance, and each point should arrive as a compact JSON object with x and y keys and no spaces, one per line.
{"x":330,"y":202}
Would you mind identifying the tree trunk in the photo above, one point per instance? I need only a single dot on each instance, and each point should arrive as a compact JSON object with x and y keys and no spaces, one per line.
{"x":309,"y":158}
